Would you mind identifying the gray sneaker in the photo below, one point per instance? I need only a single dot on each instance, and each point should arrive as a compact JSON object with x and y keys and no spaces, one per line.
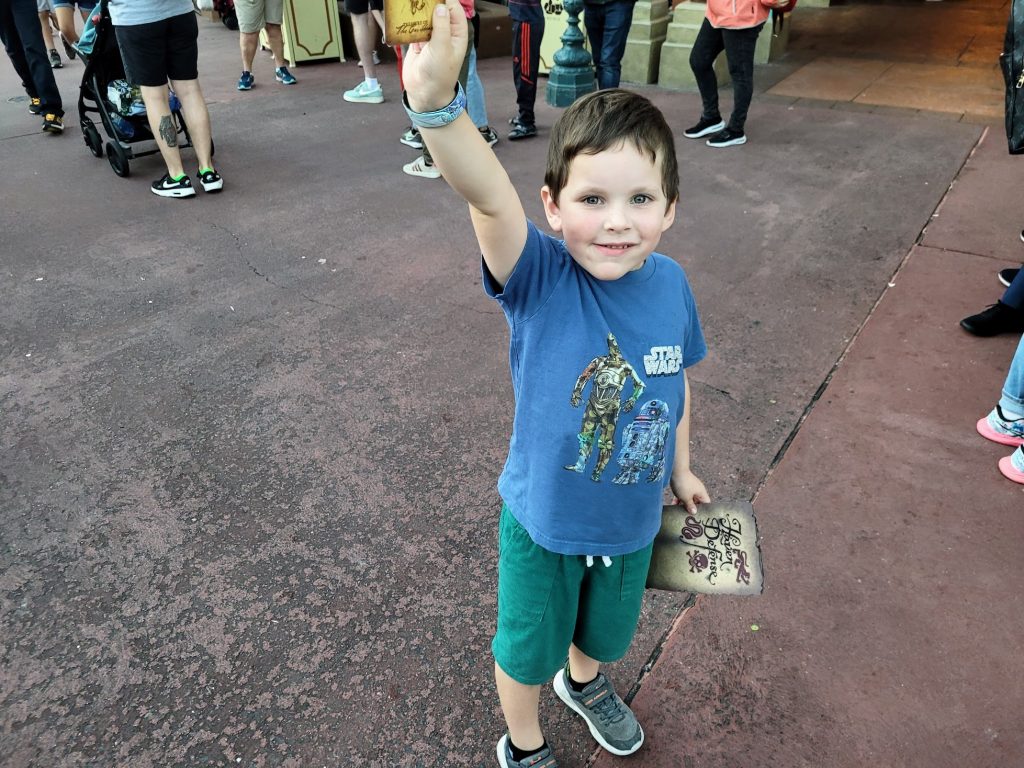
{"x":542,"y":759}
{"x":611,"y":722}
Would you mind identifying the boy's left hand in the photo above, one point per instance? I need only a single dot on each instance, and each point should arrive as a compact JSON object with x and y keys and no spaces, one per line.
{"x":688,"y":490}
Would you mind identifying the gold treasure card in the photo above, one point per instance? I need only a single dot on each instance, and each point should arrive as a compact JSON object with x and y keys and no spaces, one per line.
{"x":408,"y":21}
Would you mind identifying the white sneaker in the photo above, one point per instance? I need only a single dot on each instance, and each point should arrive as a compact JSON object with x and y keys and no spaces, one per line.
{"x":364,"y":94}
{"x":419,"y":167}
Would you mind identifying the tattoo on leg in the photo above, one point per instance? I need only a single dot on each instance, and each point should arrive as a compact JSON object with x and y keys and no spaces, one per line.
{"x":167,"y":131}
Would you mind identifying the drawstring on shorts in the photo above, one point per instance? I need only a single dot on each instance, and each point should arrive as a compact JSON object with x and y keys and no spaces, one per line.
{"x":607,"y":561}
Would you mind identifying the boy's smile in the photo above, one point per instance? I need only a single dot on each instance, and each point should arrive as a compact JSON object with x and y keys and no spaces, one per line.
{"x":612,"y":211}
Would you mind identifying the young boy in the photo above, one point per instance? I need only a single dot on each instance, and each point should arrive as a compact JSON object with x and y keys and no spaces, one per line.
{"x":602,"y":330}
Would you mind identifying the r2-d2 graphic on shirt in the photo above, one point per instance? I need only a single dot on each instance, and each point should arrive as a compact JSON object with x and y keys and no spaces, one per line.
{"x":643,"y":444}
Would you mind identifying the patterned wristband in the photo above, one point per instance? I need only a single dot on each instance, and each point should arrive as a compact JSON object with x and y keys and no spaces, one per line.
{"x":439,"y":118}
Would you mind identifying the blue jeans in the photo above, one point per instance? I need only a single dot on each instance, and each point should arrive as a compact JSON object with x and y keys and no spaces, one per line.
{"x":607,"y":29}
{"x":22,"y":37}
{"x":475,"y":102}
{"x":1012,"y":400}
{"x":1014,"y":295}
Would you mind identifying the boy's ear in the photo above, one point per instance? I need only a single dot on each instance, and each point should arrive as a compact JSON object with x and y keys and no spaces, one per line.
{"x":551,"y":209}
{"x":670,"y":216}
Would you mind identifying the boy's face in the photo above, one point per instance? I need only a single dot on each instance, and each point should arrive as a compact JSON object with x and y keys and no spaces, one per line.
{"x":612,"y":210}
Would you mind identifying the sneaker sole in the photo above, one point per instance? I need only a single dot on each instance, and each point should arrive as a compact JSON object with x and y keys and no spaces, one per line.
{"x":706,"y":132}
{"x":53,"y":129}
{"x":501,"y":751}
{"x":361,"y":100}
{"x":214,"y":188}
{"x":986,"y":431}
{"x":245,"y":87}
{"x":413,"y":144}
{"x":730,"y":143}
{"x":1009,"y":471}
{"x":510,"y":137}
{"x":289,"y":82}
{"x":563,"y":693}
{"x":177,"y":193}
{"x":420,"y":175}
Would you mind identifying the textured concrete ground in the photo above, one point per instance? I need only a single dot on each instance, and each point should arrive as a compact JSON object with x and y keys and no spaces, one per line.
{"x":249,"y":442}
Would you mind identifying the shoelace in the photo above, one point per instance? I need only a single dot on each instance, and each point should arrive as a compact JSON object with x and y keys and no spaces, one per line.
{"x":608,"y":709}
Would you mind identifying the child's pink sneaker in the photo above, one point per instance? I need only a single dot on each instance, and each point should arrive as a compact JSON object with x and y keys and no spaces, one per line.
{"x":1012,"y":466}
{"x":999,"y":429}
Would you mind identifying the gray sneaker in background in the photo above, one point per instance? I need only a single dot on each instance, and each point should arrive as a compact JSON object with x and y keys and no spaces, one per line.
{"x":611,"y":722}
{"x":542,"y":759}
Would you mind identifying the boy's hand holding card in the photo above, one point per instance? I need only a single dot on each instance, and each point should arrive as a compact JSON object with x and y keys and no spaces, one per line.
{"x":431,"y":70}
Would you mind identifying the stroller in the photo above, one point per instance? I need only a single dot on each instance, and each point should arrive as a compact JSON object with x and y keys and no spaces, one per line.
{"x":124,"y":120}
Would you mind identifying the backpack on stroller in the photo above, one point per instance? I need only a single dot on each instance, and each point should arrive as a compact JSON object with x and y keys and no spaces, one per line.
{"x":104,"y":92}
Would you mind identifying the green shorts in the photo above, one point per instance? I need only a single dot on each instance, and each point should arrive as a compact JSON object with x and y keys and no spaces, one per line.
{"x":547,"y":601}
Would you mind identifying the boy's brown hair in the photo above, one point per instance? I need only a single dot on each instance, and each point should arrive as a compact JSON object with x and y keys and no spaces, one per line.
{"x":604,"y":119}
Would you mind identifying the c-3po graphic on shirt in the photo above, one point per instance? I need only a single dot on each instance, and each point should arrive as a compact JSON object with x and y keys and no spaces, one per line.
{"x":609,"y":373}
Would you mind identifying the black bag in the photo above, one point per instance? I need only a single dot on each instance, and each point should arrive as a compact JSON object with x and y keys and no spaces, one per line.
{"x":1011,"y":61}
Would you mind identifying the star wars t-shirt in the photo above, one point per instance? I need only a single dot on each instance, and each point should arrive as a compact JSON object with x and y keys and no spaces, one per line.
{"x":597,"y":371}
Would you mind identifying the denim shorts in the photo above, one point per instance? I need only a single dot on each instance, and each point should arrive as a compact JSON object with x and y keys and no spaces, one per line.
{"x":547,"y":601}
{"x":83,"y":5}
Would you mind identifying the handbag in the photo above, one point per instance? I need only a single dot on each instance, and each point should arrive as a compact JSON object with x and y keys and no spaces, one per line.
{"x":712,"y":551}
{"x":1011,"y":61}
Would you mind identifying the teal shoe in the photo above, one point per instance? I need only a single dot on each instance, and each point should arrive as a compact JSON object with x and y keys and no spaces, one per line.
{"x":284,"y":76}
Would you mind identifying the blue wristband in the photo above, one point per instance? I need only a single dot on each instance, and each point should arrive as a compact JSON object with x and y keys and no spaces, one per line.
{"x":439,"y":118}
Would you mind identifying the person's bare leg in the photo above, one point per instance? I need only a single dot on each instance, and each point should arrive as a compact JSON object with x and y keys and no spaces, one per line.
{"x":197,"y":118}
{"x":362,"y":31}
{"x":520,"y":704}
{"x":582,"y":668}
{"x":66,"y":22}
{"x":276,"y":44}
{"x":248,"y":42}
{"x":158,"y":112}
{"x":379,"y":18}
{"x":44,"y":22}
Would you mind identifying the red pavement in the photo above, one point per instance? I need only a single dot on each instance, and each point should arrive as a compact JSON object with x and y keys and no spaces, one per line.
{"x":248,"y":446}
{"x":889,"y":632}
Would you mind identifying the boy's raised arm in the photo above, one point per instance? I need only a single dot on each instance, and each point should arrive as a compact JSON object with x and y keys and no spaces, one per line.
{"x":430,"y":73}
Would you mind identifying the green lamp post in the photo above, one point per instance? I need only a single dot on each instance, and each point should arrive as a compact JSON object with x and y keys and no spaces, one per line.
{"x":572,"y":75}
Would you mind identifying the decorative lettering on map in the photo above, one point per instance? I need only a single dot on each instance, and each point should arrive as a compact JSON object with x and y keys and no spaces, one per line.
{"x":716,"y":551}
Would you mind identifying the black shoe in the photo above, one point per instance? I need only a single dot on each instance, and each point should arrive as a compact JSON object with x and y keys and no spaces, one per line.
{"x":53,"y":123}
{"x":168,"y":187}
{"x":55,"y":62}
{"x":704,"y":127}
{"x":1007,"y":275}
{"x":210,"y":180}
{"x":35,"y":106}
{"x":999,"y":318}
{"x":69,"y":49}
{"x":727,"y":137}
{"x":522,"y":131}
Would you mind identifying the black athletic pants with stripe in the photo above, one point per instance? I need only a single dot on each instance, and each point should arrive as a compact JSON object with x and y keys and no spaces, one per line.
{"x":525,"y":62}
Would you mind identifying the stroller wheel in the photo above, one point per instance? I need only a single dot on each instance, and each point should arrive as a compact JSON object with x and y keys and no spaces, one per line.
{"x":118,"y":159}
{"x":92,"y":138}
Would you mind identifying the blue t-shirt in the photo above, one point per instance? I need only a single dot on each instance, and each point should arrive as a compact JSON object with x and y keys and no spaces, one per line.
{"x":129,"y":13}
{"x":597,"y":371}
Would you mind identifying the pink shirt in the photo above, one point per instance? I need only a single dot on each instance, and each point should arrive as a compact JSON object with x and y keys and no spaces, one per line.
{"x":736,"y":14}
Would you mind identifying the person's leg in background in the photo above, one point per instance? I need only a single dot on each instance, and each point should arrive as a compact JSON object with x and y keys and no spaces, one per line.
{"x":368,"y":91}
{"x":1005,"y":316}
{"x":274,"y":16}
{"x":1005,"y":423}
{"x":251,"y":19}
{"x":23,"y":41}
{"x":45,"y":10}
{"x":706,"y":48}
{"x":65,"y":12}
{"x":476,"y":100}
{"x":739,"y":50}
{"x":618,"y":16}
{"x":593,"y":20}
{"x":527,"y":36}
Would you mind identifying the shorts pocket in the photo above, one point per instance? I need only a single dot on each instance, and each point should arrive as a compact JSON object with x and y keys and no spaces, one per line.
{"x":526,"y":574}
{"x":634,"y":574}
